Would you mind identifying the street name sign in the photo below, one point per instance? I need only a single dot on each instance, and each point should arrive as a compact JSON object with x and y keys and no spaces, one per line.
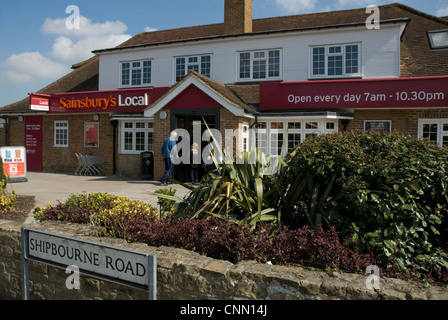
{"x":128,"y":267}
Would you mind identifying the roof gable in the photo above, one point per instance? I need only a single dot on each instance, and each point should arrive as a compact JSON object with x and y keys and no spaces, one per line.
{"x":210,"y":91}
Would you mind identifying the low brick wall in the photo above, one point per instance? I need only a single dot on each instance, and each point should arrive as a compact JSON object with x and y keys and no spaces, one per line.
{"x":187,"y":275}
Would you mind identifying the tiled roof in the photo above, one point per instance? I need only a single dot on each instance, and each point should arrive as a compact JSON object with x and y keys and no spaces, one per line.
{"x":217,"y":87}
{"x":415,"y":60}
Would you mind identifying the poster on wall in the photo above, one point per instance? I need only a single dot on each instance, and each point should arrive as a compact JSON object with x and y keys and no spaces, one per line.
{"x":91,"y":134}
{"x":14,"y":162}
{"x":376,"y":125}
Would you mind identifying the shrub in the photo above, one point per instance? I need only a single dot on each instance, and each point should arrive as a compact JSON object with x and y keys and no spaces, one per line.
{"x":389,"y":194}
{"x":101,"y":209}
{"x":166,"y":205}
{"x":7,"y":199}
{"x":226,"y":240}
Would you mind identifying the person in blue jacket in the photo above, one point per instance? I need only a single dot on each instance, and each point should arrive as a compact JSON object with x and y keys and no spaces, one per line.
{"x":169,"y":153}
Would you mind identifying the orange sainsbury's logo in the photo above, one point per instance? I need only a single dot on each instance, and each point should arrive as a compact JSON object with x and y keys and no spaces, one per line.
{"x":86,"y":102}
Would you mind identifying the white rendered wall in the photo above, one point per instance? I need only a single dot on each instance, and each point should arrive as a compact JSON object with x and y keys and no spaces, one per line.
{"x":380,"y":54}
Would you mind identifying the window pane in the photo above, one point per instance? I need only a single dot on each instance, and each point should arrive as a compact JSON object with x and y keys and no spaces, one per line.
{"x":245,"y":65}
{"x":335,"y":66}
{"x":293,"y":140}
{"x":259,"y":69}
{"x":318,"y":61}
{"x":205,"y":66}
{"x":125,"y":74}
{"x":294,"y":125}
{"x":140,"y":125}
{"x":261,"y":141}
{"x":276,"y":143}
{"x":351,"y":59}
{"x":311,"y":125}
{"x":194,"y":67}
{"x":438,"y":40}
{"x":128,"y":125}
{"x":140,"y":141}
{"x":445,"y":141}
{"x":276,"y":125}
{"x":128,"y":141}
{"x":274,"y":63}
{"x":136,"y":77}
{"x":150,"y":141}
{"x":180,"y":68}
{"x":430,"y":131}
{"x":259,"y":55}
{"x":147,"y":72}
{"x":330,"y":125}
{"x":335,"y":50}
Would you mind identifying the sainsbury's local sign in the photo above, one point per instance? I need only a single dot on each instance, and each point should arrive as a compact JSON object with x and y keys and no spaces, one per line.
{"x":126,"y":100}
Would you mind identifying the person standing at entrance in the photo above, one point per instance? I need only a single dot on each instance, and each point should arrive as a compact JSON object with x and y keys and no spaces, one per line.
{"x":194,"y":165}
{"x":169,"y":153}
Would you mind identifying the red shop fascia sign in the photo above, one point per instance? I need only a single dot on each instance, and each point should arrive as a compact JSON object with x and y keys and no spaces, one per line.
{"x":125,"y":100}
{"x":420,"y":92}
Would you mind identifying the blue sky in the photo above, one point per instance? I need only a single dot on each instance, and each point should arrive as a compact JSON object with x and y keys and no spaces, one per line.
{"x":36,"y":48}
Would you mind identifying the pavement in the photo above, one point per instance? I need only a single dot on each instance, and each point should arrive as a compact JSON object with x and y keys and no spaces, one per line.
{"x":51,"y":187}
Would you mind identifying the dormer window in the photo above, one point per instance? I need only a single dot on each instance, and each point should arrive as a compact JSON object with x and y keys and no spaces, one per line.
{"x":438,"y":39}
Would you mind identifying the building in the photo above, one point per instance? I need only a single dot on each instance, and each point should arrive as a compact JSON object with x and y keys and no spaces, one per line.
{"x":258,"y":80}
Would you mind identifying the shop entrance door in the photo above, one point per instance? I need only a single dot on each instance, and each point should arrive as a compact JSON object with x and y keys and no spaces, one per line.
{"x":33,"y":143}
{"x":189,"y":120}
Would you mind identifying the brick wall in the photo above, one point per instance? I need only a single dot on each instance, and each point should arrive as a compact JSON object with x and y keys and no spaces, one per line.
{"x":405,"y":121}
{"x":186,"y":275}
{"x":161,"y":132}
{"x":63,"y":159}
{"x":237,"y":16}
{"x":417,"y":59}
{"x":228,"y":121}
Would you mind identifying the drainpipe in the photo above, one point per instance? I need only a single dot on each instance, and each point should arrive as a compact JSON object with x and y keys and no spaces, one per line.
{"x":114,"y":124}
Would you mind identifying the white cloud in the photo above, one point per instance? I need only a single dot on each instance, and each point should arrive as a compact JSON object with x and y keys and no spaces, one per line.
{"x":70,"y":47}
{"x":442,"y":12}
{"x":86,"y":27}
{"x":296,"y":6}
{"x":74,"y":45}
{"x":150,"y":29}
{"x":25,"y":66}
{"x":66,"y":49}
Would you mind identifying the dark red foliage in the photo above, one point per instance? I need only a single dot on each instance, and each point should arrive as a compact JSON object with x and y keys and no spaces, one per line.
{"x":222,"y":239}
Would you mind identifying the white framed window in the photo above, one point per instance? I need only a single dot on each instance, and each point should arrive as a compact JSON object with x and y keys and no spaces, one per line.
{"x":270,"y":135}
{"x":136,"y":73}
{"x":259,"y":65}
{"x":136,"y":136}
{"x":61,"y":133}
{"x":202,"y":64}
{"x":335,"y":61}
{"x":435,"y":130}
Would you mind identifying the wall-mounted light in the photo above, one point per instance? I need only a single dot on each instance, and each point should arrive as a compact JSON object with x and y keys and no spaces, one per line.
{"x":20,"y":118}
{"x":163,"y":115}
{"x":96,"y":117}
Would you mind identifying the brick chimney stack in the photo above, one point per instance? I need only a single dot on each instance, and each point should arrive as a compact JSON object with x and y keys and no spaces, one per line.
{"x":237,"y":16}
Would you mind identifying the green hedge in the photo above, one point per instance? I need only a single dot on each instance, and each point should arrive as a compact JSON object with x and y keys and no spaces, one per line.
{"x":388,"y":192}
